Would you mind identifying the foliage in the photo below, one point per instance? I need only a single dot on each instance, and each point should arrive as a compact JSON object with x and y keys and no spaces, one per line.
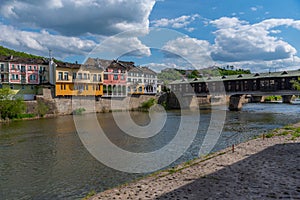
{"x":26,"y":115}
{"x":148,"y":104}
{"x":41,"y":108}
{"x":90,"y":194}
{"x":296,"y":84}
{"x":224,"y":72}
{"x":78,"y":111}
{"x":169,"y":75}
{"x":194,"y":74}
{"x":9,"y":107}
{"x":8,"y":52}
{"x":273,"y":98}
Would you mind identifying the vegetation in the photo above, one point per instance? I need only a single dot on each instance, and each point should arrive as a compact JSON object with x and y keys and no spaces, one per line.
{"x":89,"y":195}
{"x":296,"y":84}
{"x":169,"y":76}
{"x":10,"y":107}
{"x":78,"y":111}
{"x":8,"y":52}
{"x":230,"y":71}
{"x":41,"y":108}
{"x":273,"y":98}
{"x":148,"y":104}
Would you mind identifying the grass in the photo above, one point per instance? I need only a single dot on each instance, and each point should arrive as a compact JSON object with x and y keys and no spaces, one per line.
{"x":89,"y":195}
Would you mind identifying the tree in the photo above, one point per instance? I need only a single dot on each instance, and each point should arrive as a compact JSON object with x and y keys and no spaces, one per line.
{"x":10,"y":106}
{"x":296,"y":84}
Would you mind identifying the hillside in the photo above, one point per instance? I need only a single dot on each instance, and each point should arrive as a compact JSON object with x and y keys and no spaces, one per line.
{"x":8,"y":52}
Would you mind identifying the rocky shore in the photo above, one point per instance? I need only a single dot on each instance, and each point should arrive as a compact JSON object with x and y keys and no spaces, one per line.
{"x":263,"y":168}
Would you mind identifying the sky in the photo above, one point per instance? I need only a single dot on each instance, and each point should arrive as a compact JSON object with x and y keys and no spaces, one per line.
{"x":260,"y":35}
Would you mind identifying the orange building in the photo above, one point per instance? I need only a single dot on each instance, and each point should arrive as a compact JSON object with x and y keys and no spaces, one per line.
{"x":78,"y":80}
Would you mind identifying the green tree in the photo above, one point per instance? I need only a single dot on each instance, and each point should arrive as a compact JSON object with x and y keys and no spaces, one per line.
{"x":296,"y":84}
{"x":10,"y":107}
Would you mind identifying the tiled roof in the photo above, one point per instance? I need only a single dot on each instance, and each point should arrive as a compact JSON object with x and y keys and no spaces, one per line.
{"x":20,"y":60}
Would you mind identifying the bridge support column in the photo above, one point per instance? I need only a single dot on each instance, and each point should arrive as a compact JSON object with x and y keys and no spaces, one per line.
{"x":286,"y":98}
{"x":236,"y":102}
{"x":256,"y":99}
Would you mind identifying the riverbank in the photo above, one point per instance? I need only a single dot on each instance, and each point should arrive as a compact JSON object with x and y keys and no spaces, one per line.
{"x":263,"y":168}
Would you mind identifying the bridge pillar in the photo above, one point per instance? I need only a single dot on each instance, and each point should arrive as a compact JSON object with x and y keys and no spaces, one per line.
{"x":236,"y":102}
{"x":287,"y":98}
{"x":256,"y":99}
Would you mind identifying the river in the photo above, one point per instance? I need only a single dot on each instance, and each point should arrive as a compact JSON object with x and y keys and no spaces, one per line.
{"x":45,"y":158}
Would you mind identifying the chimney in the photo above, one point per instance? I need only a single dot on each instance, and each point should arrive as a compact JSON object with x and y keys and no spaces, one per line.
{"x":11,"y":57}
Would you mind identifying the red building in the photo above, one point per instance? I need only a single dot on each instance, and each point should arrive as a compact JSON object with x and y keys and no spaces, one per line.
{"x":114,"y":77}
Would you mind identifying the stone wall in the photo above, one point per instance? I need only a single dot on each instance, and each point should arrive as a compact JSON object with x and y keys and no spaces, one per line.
{"x":177,"y":101}
{"x":67,"y":106}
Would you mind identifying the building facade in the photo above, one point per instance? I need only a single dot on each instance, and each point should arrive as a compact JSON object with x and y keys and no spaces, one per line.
{"x":23,"y":76}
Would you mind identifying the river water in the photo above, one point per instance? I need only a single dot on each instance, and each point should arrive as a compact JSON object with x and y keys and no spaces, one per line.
{"x":45,"y":159}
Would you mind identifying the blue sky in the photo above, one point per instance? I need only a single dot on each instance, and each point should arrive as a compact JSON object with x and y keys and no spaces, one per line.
{"x":257,"y":35}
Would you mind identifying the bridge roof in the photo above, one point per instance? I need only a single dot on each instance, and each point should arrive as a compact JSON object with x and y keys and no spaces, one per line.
{"x":282,"y":74}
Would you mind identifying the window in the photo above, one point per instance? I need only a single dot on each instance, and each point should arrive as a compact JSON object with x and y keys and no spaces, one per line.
{"x":66,"y":76}
{"x":79,"y":75}
{"x":84,"y":76}
{"x":12,"y":66}
{"x":86,"y":87}
{"x":22,"y":68}
{"x":32,"y":77}
{"x":2,"y":67}
{"x":129,"y":79}
{"x":17,"y":77}
{"x":60,"y":75}
{"x":115,"y":77}
{"x":74,"y":75}
{"x":18,"y":67}
{"x":95,"y":77}
{"x":99,"y":77}
{"x":122,"y":77}
{"x":34,"y":68}
{"x":105,"y":76}
{"x":29,"y":68}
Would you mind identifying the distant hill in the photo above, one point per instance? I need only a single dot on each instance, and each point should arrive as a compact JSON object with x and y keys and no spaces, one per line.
{"x":169,"y":74}
{"x":9,"y":52}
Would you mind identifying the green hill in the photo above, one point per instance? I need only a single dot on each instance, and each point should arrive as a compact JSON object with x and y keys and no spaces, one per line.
{"x":8,"y":52}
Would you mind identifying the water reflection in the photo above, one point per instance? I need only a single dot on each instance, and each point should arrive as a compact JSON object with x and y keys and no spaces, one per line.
{"x":45,"y":159}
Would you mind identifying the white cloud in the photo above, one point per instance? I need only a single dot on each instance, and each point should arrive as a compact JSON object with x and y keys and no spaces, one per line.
{"x":193,"y":50}
{"x":41,"y":42}
{"x":253,"y":8}
{"x":180,"y":22}
{"x":237,"y":40}
{"x":79,"y":17}
{"x":114,"y":47}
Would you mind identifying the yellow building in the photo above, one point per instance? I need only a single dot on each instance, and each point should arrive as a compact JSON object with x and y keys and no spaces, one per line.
{"x":78,"y":80}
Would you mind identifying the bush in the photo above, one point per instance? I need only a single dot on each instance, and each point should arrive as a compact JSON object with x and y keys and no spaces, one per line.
{"x":41,"y":108}
{"x":10,"y":107}
{"x":148,"y":104}
{"x":78,"y":111}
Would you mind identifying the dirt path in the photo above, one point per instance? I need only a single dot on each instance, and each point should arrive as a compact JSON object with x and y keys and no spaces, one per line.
{"x":266,"y":168}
